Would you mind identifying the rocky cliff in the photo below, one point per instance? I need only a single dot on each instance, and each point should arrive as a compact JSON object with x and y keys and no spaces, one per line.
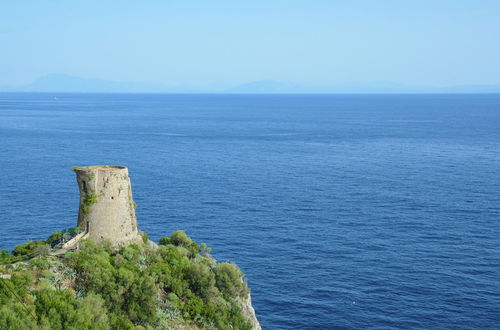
{"x":105,"y":274}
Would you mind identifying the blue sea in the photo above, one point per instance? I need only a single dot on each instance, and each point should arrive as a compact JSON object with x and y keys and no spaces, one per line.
{"x":343,"y":211}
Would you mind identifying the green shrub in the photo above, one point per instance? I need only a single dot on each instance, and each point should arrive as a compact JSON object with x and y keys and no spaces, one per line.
{"x":55,"y":238}
{"x":136,"y":287}
{"x":229,"y":280}
{"x":200,"y":279}
{"x":41,"y":250}
{"x":89,"y":200}
{"x":39,"y":263}
{"x":27,"y":248}
{"x":145,"y":237}
{"x":91,"y":313}
{"x":165,"y":240}
{"x":14,"y":317}
{"x":64,"y":235}
{"x":17,"y":287}
{"x":74,"y":231}
{"x":55,"y":308}
{"x":133,"y":253}
{"x":7,"y":258}
{"x":205,"y":250}
{"x":180,"y":238}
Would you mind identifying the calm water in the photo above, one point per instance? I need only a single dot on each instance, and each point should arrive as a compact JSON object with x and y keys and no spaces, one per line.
{"x":343,"y":211}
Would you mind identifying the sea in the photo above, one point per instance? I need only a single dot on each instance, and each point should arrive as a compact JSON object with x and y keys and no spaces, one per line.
{"x":343,"y":211}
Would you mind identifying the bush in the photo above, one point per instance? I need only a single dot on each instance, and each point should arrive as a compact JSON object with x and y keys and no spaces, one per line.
{"x":7,"y":258}
{"x":165,"y":240}
{"x":55,"y":308}
{"x":39,"y":263}
{"x":91,"y":313}
{"x":229,"y":280}
{"x":55,"y":238}
{"x":14,"y":316}
{"x":145,"y":236}
{"x":135,"y":287}
{"x":27,"y":249}
{"x":41,"y":250}
{"x":180,"y":238}
{"x":200,"y":279}
{"x":74,"y":231}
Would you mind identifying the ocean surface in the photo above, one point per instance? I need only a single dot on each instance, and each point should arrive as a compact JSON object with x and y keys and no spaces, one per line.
{"x":344,"y":211}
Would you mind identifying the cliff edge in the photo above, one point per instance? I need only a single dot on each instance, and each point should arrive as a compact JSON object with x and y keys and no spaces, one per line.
{"x":105,"y":274}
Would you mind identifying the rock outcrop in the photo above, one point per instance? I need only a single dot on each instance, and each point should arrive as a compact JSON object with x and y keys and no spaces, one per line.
{"x":249,"y":312}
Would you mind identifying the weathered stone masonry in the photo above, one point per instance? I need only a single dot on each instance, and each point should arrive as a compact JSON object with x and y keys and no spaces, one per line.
{"x":107,"y":210}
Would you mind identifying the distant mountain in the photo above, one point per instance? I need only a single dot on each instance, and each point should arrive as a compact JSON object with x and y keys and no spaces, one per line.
{"x":66,"y":83}
{"x":270,"y":86}
{"x":471,"y":89}
{"x":377,"y":87}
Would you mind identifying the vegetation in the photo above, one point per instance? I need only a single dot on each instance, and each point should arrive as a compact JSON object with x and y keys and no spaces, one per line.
{"x":56,"y":239}
{"x":88,"y":201}
{"x":177,"y":284}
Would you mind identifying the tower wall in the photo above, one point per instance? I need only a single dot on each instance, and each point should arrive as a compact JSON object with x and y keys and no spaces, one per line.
{"x":107,"y":210}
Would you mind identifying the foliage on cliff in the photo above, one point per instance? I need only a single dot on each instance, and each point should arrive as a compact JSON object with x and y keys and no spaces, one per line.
{"x":175,"y":285}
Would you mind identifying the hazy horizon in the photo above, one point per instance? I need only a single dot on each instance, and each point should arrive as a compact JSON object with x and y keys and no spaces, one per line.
{"x":60,"y":83}
{"x":221,"y":45}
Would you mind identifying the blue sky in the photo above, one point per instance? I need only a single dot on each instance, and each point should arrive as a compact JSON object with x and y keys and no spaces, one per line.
{"x":435,"y":43}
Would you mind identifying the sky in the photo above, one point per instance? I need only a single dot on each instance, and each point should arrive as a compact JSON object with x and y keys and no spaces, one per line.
{"x":216,"y":42}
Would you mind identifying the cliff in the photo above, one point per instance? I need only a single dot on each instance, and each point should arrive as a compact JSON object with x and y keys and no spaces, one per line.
{"x":176,"y":284}
{"x":105,"y":274}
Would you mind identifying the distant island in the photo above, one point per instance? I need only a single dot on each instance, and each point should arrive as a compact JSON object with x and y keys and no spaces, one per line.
{"x":62,"y":83}
{"x":105,"y":274}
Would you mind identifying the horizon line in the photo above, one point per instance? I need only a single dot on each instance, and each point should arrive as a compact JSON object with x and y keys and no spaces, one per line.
{"x":253,"y":93}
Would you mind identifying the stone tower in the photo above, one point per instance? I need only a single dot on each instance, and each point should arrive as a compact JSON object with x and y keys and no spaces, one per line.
{"x":107,"y":210}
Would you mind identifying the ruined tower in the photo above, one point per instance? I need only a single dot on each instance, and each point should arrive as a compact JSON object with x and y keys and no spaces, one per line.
{"x":107,"y":210}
